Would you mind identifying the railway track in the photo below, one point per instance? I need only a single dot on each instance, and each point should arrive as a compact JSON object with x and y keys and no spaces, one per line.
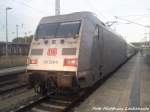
{"x":11,"y":86}
{"x":12,"y":81}
{"x":57,"y":103}
{"x":50,"y":103}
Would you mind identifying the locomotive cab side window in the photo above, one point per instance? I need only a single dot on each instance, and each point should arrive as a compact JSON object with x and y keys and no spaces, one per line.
{"x":96,"y":32}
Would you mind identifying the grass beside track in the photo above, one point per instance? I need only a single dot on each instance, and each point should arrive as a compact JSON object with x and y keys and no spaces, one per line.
{"x":12,"y":61}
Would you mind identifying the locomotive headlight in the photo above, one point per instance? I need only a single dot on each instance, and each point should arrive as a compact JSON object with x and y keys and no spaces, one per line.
{"x":70,"y":62}
{"x":33,"y":61}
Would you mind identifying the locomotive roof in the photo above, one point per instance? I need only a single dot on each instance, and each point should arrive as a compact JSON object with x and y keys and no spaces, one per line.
{"x":75,"y":16}
{"x":66,"y":17}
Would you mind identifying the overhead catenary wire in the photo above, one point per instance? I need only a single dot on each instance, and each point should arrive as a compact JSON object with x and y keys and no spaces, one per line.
{"x":145,"y":26}
{"x":130,"y":21}
{"x":88,"y":2}
{"x":27,"y":5}
{"x":136,"y":15}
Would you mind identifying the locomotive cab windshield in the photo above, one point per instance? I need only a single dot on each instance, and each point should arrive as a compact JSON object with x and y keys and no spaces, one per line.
{"x":58,"y":30}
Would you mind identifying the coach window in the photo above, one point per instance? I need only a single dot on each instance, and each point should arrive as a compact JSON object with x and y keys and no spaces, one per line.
{"x":96,"y":32}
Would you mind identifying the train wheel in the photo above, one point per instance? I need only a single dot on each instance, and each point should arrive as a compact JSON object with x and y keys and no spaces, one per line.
{"x":37,"y":88}
{"x":51,"y":85}
{"x":43,"y":89}
{"x":75,"y":85}
{"x":40,"y":88}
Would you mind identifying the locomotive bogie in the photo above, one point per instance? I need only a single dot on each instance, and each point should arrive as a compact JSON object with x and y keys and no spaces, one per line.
{"x":52,"y":81}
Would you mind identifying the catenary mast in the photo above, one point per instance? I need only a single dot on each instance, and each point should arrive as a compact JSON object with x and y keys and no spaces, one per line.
{"x":57,"y":7}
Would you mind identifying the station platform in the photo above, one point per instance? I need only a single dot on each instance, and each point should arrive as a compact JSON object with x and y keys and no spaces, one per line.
{"x":12,"y":70}
{"x":127,"y":90}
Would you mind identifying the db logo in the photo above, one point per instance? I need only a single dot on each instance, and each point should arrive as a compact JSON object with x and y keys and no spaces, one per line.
{"x":52,"y":52}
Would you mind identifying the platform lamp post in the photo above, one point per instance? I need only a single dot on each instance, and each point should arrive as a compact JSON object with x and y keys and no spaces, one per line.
{"x":7,"y":8}
{"x":148,"y":34}
{"x":17,"y":38}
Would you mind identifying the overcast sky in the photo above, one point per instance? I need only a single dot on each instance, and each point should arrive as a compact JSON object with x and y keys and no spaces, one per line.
{"x":27,"y":14}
